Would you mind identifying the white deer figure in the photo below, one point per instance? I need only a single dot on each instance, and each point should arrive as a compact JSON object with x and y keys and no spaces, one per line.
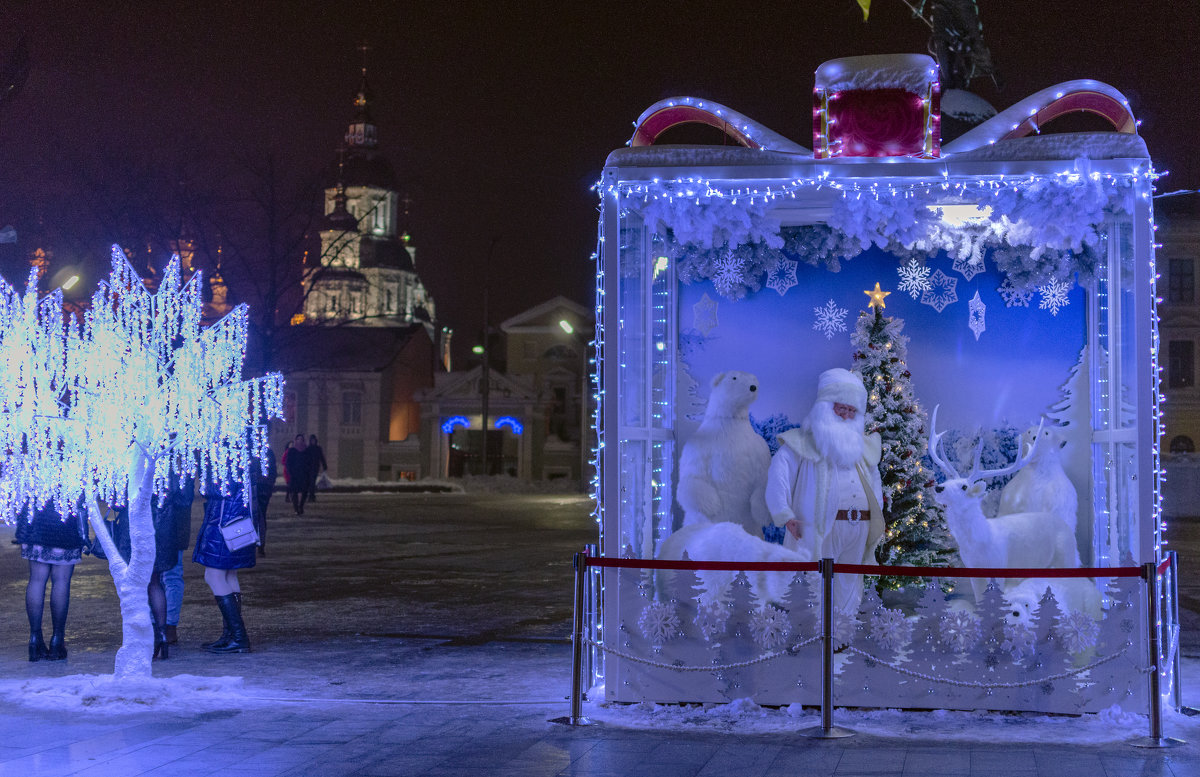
{"x":1025,"y":540}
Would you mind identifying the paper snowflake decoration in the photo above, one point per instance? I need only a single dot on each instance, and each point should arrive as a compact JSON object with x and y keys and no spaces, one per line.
{"x":1078,"y":632}
{"x":1019,"y":640}
{"x":942,"y":291}
{"x":977,"y":314}
{"x":704,"y":315}
{"x":1054,"y":296}
{"x":711,"y":618}
{"x":830,"y":319}
{"x":914,"y":278}
{"x":1014,"y":297}
{"x":727,"y":274}
{"x":844,"y":626}
{"x":769,"y":626}
{"x":969,"y":266}
{"x":890,"y":629}
{"x":783,"y":276}
{"x":960,"y":631}
{"x":659,"y":622}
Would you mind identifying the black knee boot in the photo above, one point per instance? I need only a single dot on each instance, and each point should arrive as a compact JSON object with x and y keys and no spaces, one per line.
{"x":160,"y":640}
{"x":239,"y":641}
{"x":223,"y":640}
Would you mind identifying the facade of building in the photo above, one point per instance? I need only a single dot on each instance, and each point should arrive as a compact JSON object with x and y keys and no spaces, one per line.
{"x":533,"y":411}
{"x":1178,"y":260}
{"x":371,"y":340}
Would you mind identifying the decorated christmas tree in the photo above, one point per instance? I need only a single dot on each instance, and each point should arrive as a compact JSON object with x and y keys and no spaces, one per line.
{"x":916,"y":528}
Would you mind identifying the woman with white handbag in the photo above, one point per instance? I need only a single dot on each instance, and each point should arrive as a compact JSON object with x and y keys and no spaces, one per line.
{"x":226,"y":543}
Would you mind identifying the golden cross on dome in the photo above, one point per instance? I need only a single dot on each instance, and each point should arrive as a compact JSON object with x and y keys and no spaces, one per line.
{"x":876,"y":296}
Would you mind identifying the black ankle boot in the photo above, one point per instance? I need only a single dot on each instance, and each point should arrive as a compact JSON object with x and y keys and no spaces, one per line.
{"x":239,"y":641}
{"x":37,"y":647}
{"x":160,"y":642}
{"x":57,"y":650}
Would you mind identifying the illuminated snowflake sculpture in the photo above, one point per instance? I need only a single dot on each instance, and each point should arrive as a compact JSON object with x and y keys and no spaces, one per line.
{"x":116,"y":406}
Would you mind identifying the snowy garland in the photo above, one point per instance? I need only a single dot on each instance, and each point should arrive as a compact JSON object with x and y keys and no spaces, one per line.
{"x":659,"y":622}
{"x":1040,"y":231}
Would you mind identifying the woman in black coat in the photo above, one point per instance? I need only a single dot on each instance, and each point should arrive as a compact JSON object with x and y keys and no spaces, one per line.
{"x":172,"y":525}
{"x":221,"y":564}
{"x":53,"y":546}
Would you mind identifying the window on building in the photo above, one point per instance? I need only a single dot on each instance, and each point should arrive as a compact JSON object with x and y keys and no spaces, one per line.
{"x":1182,"y":444}
{"x":380,"y":215}
{"x":1181,"y":281}
{"x":351,"y":408}
{"x":389,"y":306}
{"x":1181,"y":364}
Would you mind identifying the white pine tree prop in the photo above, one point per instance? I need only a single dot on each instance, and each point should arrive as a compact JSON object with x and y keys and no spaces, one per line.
{"x":113,"y":407}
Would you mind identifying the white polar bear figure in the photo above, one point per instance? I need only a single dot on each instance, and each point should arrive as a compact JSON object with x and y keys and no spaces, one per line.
{"x":1042,"y":486}
{"x":723,"y":466}
{"x":1073,"y":594}
{"x":727,"y":541}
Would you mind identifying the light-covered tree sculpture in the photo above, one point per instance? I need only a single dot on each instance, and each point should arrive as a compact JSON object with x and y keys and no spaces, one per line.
{"x":115,"y":406}
{"x":916,"y":532}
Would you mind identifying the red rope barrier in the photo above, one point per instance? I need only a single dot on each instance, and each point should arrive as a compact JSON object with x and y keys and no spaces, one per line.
{"x":864,"y":569}
{"x":1164,"y":565}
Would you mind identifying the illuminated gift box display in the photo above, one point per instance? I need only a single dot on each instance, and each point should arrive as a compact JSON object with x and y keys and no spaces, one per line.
{"x":1008,"y":282}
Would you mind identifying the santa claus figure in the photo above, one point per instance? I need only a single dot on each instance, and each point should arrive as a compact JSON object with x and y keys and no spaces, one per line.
{"x":823,"y":484}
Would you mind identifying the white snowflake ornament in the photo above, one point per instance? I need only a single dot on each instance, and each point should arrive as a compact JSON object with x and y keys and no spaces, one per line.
{"x":1054,"y":296}
{"x":711,"y":619}
{"x":769,"y":626}
{"x":659,"y":622}
{"x":704,"y":315}
{"x":977,"y":314}
{"x":1014,"y":297}
{"x":783,"y":277}
{"x":960,"y":631}
{"x":830,"y":319}
{"x":969,"y":266}
{"x":942,"y":291}
{"x":1078,"y":631}
{"x":890,"y":629}
{"x":914,"y":278}
{"x":1019,"y":641}
{"x":727,"y":274}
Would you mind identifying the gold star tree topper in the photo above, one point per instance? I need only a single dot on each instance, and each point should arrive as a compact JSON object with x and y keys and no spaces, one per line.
{"x":876,"y":296}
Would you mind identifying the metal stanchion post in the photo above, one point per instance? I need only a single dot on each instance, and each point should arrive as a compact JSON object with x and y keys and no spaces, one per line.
{"x":827,"y":730}
{"x":1156,"y":738}
{"x":576,"y":717}
{"x":590,"y":610}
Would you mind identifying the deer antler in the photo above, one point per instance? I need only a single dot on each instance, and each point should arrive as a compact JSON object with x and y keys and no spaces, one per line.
{"x":1022,"y":459}
{"x":935,"y":442}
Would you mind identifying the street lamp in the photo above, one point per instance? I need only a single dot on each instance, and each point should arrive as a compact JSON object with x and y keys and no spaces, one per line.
{"x":566,"y":326}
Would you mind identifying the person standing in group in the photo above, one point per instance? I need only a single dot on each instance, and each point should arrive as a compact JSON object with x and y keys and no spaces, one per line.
{"x":172,"y":532}
{"x":283,"y":463}
{"x":176,"y":532}
{"x":299,"y":467}
{"x":53,"y":546}
{"x":221,"y":564}
{"x":316,"y":457}
{"x":262,"y":495}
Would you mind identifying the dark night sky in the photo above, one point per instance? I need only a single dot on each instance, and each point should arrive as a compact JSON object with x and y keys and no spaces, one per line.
{"x":498,"y":117}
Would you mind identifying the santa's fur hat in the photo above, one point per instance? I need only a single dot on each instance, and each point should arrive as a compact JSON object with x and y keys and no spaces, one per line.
{"x":842,"y":386}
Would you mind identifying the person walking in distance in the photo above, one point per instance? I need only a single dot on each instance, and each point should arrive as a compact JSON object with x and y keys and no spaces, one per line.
{"x":262,"y":495}
{"x":317,"y":459}
{"x":299,"y":467}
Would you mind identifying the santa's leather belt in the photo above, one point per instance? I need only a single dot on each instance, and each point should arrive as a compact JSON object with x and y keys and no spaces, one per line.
{"x":852,"y":515}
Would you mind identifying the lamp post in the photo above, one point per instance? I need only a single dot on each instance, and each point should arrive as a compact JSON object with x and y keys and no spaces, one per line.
{"x":566,"y":326}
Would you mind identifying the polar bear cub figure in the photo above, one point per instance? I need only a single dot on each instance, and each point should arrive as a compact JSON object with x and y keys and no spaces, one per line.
{"x":1073,"y":594}
{"x":1042,"y":486}
{"x":723,"y":466}
{"x":726,"y":541}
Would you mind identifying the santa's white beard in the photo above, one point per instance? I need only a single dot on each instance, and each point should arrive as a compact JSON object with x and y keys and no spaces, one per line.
{"x":837,"y":439}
